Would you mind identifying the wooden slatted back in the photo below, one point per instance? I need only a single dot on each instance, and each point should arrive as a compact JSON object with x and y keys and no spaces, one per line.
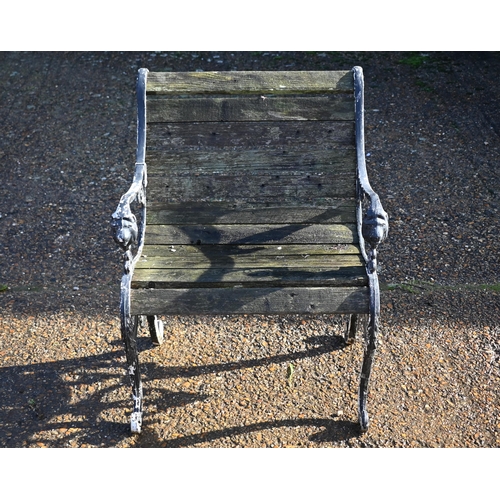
{"x":256,"y":147}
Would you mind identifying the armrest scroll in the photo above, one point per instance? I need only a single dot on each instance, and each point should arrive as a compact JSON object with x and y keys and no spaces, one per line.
{"x":123,"y":221}
{"x":373,"y":224}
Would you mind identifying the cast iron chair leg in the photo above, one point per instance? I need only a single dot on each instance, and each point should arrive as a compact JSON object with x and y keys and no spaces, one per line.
{"x":370,"y":349}
{"x":369,"y":356}
{"x":156,"y":329}
{"x":129,"y":326}
{"x":352,"y":327}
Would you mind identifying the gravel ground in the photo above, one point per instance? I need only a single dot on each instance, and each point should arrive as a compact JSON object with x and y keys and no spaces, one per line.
{"x":67,"y":150}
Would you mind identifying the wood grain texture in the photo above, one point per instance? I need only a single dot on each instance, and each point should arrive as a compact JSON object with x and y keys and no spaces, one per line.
{"x":250,"y":109}
{"x":249,"y":277}
{"x":249,"y":82}
{"x":266,"y":194}
{"x":165,"y":266}
{"x":250,"y":135}
{"x":255,"y":234}
{"x":293,"y":300}
{"x":253,"y":177}
{"x":192,"y":213}
{"x":246,"y":256}
{"x":252,"y":161}
{"x":250,"y":251}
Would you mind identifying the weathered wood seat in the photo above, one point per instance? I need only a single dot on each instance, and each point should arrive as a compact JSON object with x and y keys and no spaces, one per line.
{"x":257,"y":202}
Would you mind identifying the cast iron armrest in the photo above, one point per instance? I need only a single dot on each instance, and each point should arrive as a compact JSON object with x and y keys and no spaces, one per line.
{"x":373,"y":221}
{"x":126,"y":232}
{"x":123,"y":221}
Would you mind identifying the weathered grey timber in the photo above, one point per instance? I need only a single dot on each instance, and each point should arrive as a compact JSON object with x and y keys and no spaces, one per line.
{"x":258,"y":202}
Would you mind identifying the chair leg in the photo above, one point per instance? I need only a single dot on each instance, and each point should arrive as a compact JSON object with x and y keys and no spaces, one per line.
{"x":370,"y":349}
{"x":129,"y":335}
{"x":352,"y":327}
{"x":156,"y":330}
{"x":369,"y":356}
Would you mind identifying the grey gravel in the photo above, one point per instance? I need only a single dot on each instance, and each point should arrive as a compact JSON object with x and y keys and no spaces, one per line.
{"x":67,"y":153}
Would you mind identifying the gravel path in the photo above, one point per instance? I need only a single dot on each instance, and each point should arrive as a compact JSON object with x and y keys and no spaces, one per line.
{"x":67,"y":149}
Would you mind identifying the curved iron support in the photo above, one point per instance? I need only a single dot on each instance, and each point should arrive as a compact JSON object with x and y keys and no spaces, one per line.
{"x":129,"y":327}
{"x":373,"y":226}
{"x":123,"y":221}
{"x":127,"y":234}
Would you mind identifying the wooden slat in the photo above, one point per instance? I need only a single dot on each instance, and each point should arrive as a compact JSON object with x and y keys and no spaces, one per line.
{"x":249,"y":82}
{"x":251,"y":135}
{"x":341,"y":211}
{"x":249,"y":277}
{"x":251,"y":161}
{"x":244,"y":257}
{"x":252,"y":109}
{"x":251,"y":234}
{"x":266,"y":192}
{"x":294,"y":300}
{"x":217,"y":252}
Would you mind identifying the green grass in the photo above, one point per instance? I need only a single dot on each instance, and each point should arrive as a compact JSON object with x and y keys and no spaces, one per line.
{"x":408,"y":286}
{"x":420,"y":286}
{"x":414,"y":59}
{"x":495,"y":287}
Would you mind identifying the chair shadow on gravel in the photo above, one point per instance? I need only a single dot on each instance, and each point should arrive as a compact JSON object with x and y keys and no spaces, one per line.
{"x":318,"y":345}
{"x":333,"y":430}
{"x":86,"y":401}
{"x":53,"y":403}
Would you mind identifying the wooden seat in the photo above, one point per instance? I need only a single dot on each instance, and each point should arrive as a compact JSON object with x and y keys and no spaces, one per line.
{"x":255,"y":199}
{"x":252,"y":259}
